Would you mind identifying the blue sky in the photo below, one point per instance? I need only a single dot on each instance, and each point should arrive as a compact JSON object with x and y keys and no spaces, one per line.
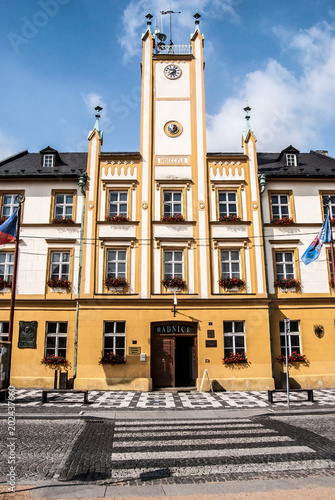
{"x":59,"y":57}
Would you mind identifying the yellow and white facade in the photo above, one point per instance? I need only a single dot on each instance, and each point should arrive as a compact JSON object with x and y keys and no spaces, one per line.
{"x":167,"y":339}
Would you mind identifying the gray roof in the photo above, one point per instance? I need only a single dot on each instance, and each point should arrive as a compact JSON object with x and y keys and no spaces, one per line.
{"x":31,"y":165}
{"x":312,"y":164}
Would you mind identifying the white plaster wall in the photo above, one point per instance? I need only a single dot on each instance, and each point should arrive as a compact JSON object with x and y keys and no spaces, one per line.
{"x":117,"y":231}
{"x":172,"y":110}
{"x":178,"y":88}
{"x":171,"y":172}
{"x":175,"y":231}
{"x":229,"y":231}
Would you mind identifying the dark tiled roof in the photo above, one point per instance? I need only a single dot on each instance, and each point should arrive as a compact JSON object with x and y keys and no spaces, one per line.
{"x":310,"y":164}
{"x":30,"y":165}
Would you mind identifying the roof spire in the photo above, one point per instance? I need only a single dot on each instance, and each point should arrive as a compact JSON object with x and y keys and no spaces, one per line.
{"x":149,"y":17}
{"x":197,"y":19}
{"x":96,"y":127}
{"x":247,"y":109}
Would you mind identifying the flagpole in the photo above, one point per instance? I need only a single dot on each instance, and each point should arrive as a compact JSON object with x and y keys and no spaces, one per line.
{"x":14,"y":279}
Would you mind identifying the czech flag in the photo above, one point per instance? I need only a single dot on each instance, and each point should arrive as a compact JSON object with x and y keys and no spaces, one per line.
{"x":314,"y":249}
{"x":8,"y":229}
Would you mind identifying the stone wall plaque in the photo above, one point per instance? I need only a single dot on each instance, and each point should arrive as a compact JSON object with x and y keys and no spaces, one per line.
{"x":211,"y":343}
{"x":134,"y":350}
{"x":27,"y":334}
{"x":210,"y":334}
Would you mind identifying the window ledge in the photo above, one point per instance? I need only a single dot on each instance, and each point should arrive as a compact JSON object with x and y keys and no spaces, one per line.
{"x":180,"y":223}
{"x":119,"y":223}
{"x":228,"y":223}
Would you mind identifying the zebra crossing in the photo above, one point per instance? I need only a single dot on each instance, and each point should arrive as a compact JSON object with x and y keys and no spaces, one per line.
{"x":217,"y":449}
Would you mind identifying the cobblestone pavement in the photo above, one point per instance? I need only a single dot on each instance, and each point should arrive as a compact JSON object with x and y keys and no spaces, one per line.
{"x":144,"y":452}
{"x":27,"y":399}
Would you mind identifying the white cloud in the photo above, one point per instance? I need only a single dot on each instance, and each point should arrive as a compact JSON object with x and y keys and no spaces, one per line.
{"x":8,"y":145}
{"x":133,"y":19}
{"x":287,"y":107}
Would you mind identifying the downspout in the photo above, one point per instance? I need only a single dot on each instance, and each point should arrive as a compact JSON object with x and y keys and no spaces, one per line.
{"x":262,"y":184}
{"x":82,"y":180}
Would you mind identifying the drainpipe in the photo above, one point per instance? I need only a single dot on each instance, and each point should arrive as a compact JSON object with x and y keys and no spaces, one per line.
{"x":262,"y":183}
{"x":82,"y":180}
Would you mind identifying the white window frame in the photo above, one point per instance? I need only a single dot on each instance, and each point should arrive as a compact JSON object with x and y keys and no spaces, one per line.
{"x":174,"y":262}
{"x":118,"y":261}
{"x":4,"y":330}
{"x":63,"y":206}
{"x":63,"y":263}
{"x":12,"y":204}
{"x":169,"y":206}
{"x":231,"y":333}
{"x":291,"y":159}
{"x":294,"y":332}
{"x":57,"y":335}
{"x":226,"y":206}
{"x":117,"y":203}
{"x":281,"y":206}
{"x":114,"y":335}
{"x":231,"y":273}
{"x":285,"y":262}
{"x":332,"y":204}
{"x":48,"y":160}
{"x":7,"y":265}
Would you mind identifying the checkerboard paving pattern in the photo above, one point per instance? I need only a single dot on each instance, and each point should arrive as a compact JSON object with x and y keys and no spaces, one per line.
{"x":167,"y":400}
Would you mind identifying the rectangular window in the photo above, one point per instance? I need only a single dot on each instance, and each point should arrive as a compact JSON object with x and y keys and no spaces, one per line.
{"x":172,"y":203}
{"x":293,"y":338}
{"x":233,"y":337}
{"x":63,"y":206}
{"x":230,"y":264}
{"x":116,"y":264}
{"x":9,"y":205}
{"x":118,"y":203}
{"x":6,"y":265}
{"x":4,"y":330}
{"x":114,"y":337}
{"x":60,"y":265}
{"x":280,"y":205}
{"x":48,"y":160}
{"x":56,"y":338}
{"x":227,"y":203}
{"x":284,"y":265}
{"x":291,"y":159}
{"x":326,"y":199}
{"x":173,"y":263}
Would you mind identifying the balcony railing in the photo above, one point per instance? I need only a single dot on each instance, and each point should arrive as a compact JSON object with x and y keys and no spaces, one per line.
{"x":173,"y":49}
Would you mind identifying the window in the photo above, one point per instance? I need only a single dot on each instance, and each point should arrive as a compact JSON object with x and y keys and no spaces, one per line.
{"x":4,"y":330}
{"x":227,"y":203}
{"x":48,"y":160}
{"x":6,"y":265}
{"x":284,"y":265}
{"x":114,"y":337}
{"x":230,"y":264}
{"x":9,"y":205}
{"x":60,"y":265}
{"x":326,"y":199}
{"x":63,"y":206}
{"x":56,"y":338}
{"x":172,"y":203}
{"x":118,"y":203}
{"x":233,"y":337}
{"x":173,"y":263}
{"x":293,"y":338}
{"x":280,"y":205}
{"x":116,"y":264}
{"x":291,"y":159}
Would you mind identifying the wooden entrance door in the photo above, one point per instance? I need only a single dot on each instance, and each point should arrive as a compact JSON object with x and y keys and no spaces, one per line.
{"x":163,"y":361}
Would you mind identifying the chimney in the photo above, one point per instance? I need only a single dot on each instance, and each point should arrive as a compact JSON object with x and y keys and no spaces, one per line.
{"x":322,"y":152}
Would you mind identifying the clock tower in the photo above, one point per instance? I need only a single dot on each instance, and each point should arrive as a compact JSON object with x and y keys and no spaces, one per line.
{"x":173,"y":149}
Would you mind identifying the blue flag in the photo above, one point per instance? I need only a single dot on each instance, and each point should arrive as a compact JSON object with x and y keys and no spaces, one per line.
{"x":8,"y":229}
{"x":314,"y":249}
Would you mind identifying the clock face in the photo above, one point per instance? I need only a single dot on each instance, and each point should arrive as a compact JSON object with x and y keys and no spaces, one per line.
{"x":172,"y":71}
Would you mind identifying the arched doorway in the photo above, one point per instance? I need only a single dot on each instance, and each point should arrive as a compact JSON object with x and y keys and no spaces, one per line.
{"x":173,"y":354}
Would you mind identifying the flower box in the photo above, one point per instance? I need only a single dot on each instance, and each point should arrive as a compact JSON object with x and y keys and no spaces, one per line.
{"x":235,"y":358}
{"x":231,"y":284}
{"x":295,"y":357}
{"x":230,"y":218}
{"x":112,"y":359}
{"x":173,"y":218}
{"x":5,"y":284}
{"x":63,"y":221}
{"x":61,"y":283}
{"x":117,"y":218}
{"x":282,"y":221}
{"x":54,"y":361}
{"x":332,"y":221}
{"x":115,"y":284}
{"x":174,"y":284}
{"x":287,"y":284}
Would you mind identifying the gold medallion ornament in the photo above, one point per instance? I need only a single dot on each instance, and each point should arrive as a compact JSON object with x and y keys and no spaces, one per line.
{"x":173,"y":128}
